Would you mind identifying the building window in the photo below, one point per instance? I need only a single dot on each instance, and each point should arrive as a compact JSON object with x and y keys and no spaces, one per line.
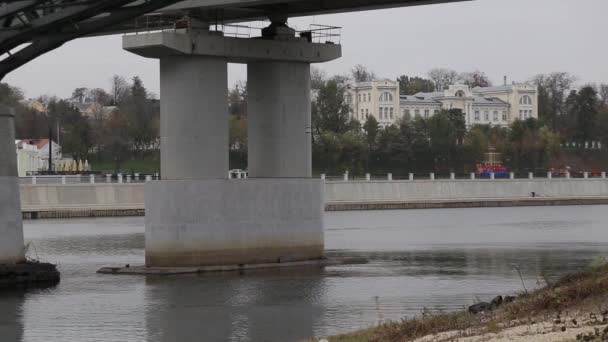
{"x":495,"y":115}
{"x":477,"y":117}
{"x":359,"y":98}
{"x":392,"y":113}
{"x":460,"y":93}
{"x":417,"y":112}
{"x":426,"y":113}
{"x":486,"y":115}
{"x":380,"y":112}
{"x":366,"y":113}
{"x":525,"y":100}
{"x":386,"y":97}
{"x":385,"y":113}
{"x":521,"y":115}
{"x":362,"y":113}
{"x":504,"y":115}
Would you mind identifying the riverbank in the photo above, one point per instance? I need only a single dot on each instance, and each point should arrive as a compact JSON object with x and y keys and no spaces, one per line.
{"x":127,"y":199}
{"x":575,"y":308}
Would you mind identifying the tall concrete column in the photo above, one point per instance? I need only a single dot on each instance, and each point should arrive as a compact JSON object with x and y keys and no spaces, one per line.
{"x":278,"y":109}
{"x":11,"y":227}
{"x":194,"y":117}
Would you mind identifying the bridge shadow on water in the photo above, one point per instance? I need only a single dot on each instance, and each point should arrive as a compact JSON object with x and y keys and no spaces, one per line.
{"x":259,"y":306}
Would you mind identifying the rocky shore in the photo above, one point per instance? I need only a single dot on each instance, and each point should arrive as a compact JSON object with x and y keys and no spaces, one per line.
{"x":28,"y":274}
{"x":574,"y":308}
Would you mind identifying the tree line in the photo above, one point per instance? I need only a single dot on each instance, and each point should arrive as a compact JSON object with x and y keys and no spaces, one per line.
{"x":117,"y":125}
{"x":124,"y":124}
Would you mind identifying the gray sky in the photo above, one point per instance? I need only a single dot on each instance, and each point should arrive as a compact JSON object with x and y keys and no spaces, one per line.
{"x":518,"y":38}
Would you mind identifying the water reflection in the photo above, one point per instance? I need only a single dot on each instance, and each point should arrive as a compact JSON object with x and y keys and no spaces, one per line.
{"x":259,"y":306}
{"x":11,"y":318}
{"x":440,"y":259}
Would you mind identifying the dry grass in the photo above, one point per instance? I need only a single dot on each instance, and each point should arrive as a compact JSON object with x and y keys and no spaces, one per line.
{"x":569,"y":293}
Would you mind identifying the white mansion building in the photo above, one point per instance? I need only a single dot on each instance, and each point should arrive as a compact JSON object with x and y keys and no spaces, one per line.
{"x":490,"y":105}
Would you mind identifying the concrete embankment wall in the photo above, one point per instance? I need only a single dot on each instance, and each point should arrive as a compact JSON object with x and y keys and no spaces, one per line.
{"x":462,"y":189}
{"x":463,"y":193}
{"x":83,"y":200}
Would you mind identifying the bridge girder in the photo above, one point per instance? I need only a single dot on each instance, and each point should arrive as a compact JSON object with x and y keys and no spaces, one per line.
{"x":48,"y":24}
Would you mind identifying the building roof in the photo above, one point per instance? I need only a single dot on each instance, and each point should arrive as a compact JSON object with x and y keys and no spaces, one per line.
{"x":488,"y":101}
{"x":507,"y":87}
{"x":39,"y":143}
{"x":416,"y":99}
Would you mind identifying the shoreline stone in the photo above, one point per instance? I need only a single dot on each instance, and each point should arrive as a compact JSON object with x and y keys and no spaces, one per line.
{"x":28,"y":274}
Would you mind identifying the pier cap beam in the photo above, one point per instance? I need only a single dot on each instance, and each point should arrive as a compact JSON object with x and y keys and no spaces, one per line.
{"x":235,"y":50}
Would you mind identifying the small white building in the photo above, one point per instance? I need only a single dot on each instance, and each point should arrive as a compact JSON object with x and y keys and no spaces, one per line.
{"x":27,"y":158}
{"x":33,"y":155}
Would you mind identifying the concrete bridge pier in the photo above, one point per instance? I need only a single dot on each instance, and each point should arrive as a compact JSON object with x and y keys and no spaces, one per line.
{"x":11,"y":227}
{"x":279,"y":120}
{"x":194,"y":124}
{"x":195,"y":216}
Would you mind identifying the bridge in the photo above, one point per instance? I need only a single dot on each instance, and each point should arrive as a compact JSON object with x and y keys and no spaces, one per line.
{"x":194,"y":215}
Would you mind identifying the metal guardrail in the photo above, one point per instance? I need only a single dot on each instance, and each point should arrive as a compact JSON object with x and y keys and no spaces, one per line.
{"x":316,"y":33}
{"x":88,"y":179}
{"x":453,"y":176}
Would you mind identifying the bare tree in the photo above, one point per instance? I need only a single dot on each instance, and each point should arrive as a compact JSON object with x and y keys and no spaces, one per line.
{"x":99,"y":96}
{"x":120,"y":89}
{"x":475,"y":79}
{"x":362,"y":74}
{"x":79,"y":94}
{"x":443,"y":77}
{"x":603,"y":93}
{"x":317,"y":78}
{"x":552,"y":92}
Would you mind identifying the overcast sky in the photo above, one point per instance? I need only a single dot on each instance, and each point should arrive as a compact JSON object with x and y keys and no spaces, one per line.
{"x":517,"y":38}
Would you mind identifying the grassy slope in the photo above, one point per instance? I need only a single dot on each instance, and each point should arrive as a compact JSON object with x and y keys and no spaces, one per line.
{"x":129,"y":166}
{"x":569,"y":293}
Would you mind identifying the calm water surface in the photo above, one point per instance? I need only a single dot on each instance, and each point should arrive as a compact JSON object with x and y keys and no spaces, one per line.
{"x":440,"y":259}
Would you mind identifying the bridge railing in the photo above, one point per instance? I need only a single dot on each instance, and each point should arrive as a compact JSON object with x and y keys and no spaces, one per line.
{"x":88,"y":179}
{"x":348,"y":177}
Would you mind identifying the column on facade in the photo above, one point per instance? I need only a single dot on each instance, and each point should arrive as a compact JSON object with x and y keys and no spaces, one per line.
{"x":11,"y":227}
{"x":194,"y":120}
{"x":279,"y":118}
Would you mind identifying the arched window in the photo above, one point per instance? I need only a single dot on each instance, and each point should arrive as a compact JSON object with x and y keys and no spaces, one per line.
{"x":386,"y":97}
{"x":460,"y":93}
{"x":525,"y":100}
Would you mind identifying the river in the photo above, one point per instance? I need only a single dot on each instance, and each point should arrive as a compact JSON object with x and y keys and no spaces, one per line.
{"x":440,"y":259}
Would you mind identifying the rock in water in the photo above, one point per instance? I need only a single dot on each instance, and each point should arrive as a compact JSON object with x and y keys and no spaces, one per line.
{"x":480,"y":307}
{"x":496,"y":302}
{"x":28,"y":274}
{"x":508,"y":299}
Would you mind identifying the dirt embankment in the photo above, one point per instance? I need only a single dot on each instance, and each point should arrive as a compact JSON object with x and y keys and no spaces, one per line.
{"x":575,"y":308}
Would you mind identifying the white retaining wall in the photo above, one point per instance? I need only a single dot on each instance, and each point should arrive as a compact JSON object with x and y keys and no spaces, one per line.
{"x":375,"y":191}
{"x":132,"y":194}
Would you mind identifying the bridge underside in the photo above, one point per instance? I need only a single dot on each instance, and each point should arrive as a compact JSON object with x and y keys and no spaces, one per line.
{"x":230,"y":11}
{"x":48,"y":24}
